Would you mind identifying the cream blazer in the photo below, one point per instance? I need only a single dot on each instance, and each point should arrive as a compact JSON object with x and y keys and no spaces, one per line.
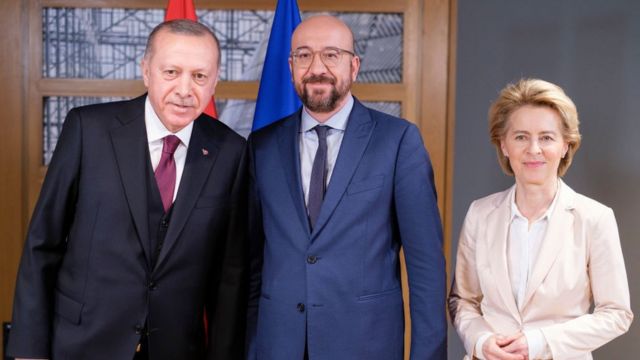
{"x":580,"y":262}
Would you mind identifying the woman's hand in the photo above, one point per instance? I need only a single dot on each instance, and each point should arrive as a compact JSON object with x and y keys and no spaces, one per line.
{"x":497,"y":347}
{"x":516,"y":344}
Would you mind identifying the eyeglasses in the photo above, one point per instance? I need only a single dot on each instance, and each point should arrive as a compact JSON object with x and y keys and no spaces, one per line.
{"x":330,"y":56}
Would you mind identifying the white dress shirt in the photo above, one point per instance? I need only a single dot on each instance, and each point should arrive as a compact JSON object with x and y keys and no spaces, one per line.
{"x":523,"y":246}
{"x":309,"y":143}
{"x":156,"y":131}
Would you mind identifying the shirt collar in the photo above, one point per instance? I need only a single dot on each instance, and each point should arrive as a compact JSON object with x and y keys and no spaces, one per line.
{"x":337,"y":121}
{"x":515,"y":212}
{"x":156,"y":129}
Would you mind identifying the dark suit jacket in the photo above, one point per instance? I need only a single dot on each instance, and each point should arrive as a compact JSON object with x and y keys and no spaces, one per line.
{"x":340,"y":284}
{"x":85,"y":285}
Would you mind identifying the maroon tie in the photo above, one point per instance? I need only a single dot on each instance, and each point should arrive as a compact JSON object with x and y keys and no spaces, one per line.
{"x":166,"y":171}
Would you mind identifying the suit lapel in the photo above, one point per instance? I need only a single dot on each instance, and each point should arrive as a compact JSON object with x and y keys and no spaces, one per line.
{"x":203,"y":150}
{"x":356,"y":137}
{"x":289,"y":146}
{"x":130,"y":147}
{"x":497,"y":235}
{"x":560,"y":229}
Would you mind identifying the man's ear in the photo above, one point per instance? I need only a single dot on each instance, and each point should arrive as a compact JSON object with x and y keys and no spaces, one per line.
{"x":355,"y":67}
{"x":215,"y":81}
{"x":291,"y":67}
{"x":144,"y":66}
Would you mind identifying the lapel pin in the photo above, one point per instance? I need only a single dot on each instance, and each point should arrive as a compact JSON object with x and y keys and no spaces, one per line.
{"x":205,"y":152}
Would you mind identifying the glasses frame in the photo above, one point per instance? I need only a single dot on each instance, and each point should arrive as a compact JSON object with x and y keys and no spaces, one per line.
{"x":294,"y":55}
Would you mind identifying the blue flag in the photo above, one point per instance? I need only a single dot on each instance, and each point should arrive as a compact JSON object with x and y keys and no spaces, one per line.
{"x":277,"y":97}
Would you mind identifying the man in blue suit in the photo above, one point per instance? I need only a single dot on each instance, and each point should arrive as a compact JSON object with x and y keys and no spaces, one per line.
{"x":337,"y":189}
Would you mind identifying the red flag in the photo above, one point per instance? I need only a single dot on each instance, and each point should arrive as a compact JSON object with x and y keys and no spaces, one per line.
{"x":184,"y":9}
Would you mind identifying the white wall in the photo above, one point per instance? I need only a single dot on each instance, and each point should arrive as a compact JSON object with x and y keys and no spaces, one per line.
{"x":591,"y":48}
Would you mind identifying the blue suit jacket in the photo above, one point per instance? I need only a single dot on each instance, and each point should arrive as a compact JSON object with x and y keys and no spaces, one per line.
{"x":339,"y":285}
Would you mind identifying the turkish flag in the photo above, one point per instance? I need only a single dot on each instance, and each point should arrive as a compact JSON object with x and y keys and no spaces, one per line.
{"x":184,"y":9}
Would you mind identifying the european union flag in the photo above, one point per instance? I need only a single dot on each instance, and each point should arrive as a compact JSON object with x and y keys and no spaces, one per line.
{"x":277,"y":97}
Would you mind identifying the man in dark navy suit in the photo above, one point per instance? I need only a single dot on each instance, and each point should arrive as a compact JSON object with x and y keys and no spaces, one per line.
{"x":138,"y":230}
{"x":337,"y":189}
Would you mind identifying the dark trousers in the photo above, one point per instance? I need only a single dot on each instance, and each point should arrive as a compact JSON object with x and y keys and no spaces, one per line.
{"x":142,"y":351}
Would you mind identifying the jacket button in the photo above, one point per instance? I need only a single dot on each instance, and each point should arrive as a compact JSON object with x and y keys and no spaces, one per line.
{"x":312,"y":259}
{"x":300,"y":307}
{"x":159,"y":247}
{"x":152,"y":286}
{"x":138,"y":329}
{"x":164,"y":223}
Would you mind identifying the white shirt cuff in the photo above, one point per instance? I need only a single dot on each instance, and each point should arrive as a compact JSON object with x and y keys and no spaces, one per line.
{"x":538,"y":347}
{"x":479,"y":344}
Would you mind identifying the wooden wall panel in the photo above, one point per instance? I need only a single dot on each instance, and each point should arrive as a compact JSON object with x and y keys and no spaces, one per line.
{"x":11,"y":150}
{"x":304,"y":5}
{"x":434,"y":89}
{"x":437,"y":100}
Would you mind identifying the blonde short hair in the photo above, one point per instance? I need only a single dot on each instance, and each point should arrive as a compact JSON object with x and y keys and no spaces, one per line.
{"x":534,"y":92}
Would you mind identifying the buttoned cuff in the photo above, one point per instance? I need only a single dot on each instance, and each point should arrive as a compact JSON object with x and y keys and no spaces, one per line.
{"x":479,"y":344}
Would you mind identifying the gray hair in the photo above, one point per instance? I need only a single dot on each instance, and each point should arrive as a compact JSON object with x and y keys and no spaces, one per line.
{"x":182,"y":27}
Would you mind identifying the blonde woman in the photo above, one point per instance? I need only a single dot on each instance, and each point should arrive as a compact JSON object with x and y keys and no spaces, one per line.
{"x":533,"y":259}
